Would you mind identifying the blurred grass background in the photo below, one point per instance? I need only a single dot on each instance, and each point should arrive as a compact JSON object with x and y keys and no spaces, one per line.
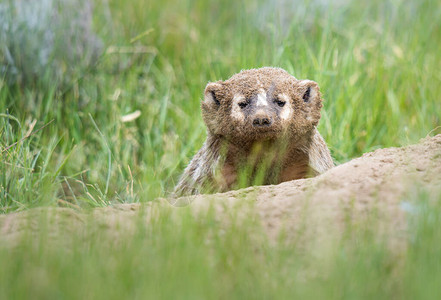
{"x":180,"y":254}
{"x":86,"y":64}
{"x":117,"y":85}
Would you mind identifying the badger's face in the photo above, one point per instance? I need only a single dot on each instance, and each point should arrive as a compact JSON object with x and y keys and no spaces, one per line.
{"x":261,"y":104}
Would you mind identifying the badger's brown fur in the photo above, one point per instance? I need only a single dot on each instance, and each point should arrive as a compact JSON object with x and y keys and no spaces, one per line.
{"x":261,"y":125}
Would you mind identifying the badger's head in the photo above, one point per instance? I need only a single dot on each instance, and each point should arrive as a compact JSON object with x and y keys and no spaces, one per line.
{"x":261,"y":104}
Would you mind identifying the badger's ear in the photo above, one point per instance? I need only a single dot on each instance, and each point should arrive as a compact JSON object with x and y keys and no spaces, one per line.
{"x":312,"y":101}
{"x":212,"y":96}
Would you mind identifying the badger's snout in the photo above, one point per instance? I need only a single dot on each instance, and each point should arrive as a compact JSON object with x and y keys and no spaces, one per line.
{"x":262,"y":122}
{"x":262,"y":119}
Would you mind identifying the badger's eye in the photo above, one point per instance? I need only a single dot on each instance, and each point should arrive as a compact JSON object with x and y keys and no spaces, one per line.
{"x":243,"y":104}
{"x":279,"y":102}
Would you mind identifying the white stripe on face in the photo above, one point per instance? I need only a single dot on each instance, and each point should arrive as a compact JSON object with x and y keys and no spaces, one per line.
{"x":261,"y":99}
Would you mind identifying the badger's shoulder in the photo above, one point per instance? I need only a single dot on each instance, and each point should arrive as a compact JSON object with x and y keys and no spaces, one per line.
{"x":200,"y":173}
{"x":320,"y":159}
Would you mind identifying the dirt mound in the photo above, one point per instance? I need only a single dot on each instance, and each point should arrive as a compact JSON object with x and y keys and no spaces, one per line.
{"x":371,"y":189}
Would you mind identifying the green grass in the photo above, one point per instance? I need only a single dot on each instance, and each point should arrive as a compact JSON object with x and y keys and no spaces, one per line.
{"x":377,"y":64}
{"x":179,"y":254}
{"x":378,"y":67}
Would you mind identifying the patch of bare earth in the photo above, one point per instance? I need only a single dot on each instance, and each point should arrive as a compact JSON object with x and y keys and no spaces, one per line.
{"x":368,"y":190}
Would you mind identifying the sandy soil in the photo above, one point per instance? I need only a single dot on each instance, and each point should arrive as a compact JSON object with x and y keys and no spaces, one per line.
{"x":376,"y":188}
{"x":372,"y":189}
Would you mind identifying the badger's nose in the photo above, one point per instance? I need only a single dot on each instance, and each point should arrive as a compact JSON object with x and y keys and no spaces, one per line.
{"x":262,"y":122}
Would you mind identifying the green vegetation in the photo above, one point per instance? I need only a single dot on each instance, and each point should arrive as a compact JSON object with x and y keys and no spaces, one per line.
{"x":179,"y":255}
{"x":378,"y":66}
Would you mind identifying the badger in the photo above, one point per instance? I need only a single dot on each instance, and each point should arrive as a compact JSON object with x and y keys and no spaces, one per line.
{"x":261,"y":129}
